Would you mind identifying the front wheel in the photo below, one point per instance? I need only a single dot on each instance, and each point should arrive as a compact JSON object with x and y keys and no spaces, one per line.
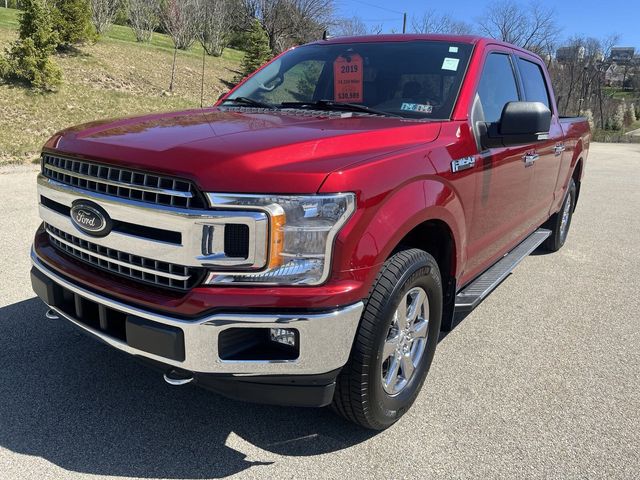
{"x":395,"y":342}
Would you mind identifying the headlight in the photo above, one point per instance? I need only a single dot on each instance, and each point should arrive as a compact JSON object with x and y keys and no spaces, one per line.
{"x":302,"y":230}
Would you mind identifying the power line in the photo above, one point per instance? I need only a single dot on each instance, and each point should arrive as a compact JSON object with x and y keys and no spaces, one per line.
{"x":375,"y":6}
{"x":395,"y":19}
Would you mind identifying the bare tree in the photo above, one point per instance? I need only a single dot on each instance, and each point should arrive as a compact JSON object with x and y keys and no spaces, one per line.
{"x":432,"y":22}
{"x":288,"y":22}
{"x":180,"y":20}
{"x":143,"y":18}
{"x":103,"y":14}
{"x":349,"y":27}
{"x":575,"y":72}
{"x":216,"y":19}
{"x":529,"y":26}
{"x":579,"y":77}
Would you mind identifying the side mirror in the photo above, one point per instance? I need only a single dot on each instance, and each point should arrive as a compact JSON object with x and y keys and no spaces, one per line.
{"x":520,"y":123}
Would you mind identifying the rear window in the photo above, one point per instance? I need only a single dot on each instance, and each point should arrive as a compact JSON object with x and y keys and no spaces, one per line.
{"x":535,"y":87}
{"x":414,"y":79}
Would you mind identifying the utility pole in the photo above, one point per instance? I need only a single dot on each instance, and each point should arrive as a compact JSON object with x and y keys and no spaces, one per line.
{"x":404,"y":22}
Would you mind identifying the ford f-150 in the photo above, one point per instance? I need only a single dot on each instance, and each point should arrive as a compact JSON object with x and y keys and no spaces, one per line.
{"x":305,"y":240}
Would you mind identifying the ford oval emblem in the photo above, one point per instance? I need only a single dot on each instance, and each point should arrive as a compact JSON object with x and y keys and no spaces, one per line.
{"x":90,"y":218}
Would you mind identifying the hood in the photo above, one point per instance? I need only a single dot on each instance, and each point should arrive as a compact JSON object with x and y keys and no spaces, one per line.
{"x":244,"y":150}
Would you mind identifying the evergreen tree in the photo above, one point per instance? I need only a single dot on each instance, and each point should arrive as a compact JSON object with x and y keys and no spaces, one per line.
{"x":72,"y":21}
{"x":258,"y":51}
{"x":28,"y":58}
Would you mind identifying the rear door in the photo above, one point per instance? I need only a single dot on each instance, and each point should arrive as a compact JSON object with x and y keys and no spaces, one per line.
{"x":500,"y":214}
{"x":548,"y":152}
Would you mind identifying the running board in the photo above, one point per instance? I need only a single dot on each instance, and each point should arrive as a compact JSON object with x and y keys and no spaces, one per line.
{"x":476,"y":291}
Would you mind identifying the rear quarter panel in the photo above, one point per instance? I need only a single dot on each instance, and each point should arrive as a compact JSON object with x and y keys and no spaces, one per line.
{"x":577,"y":139}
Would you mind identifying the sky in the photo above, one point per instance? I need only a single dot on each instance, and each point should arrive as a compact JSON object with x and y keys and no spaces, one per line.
{"x":598,"y":19}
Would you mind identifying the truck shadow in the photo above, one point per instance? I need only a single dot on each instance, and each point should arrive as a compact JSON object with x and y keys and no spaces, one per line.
{"x":88,"y":408}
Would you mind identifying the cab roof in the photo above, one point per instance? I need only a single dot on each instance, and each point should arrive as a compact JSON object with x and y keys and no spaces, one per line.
{"x":407,"y":37}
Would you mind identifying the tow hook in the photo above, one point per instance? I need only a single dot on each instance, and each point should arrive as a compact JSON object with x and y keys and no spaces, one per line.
{"x":176,"y":376}
{"x":51,"y":314}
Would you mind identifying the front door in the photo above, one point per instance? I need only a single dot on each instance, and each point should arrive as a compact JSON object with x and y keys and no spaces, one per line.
{"x":500,"y":218}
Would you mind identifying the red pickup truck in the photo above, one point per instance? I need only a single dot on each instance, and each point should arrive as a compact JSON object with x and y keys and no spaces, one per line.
{"x":304,"y":241}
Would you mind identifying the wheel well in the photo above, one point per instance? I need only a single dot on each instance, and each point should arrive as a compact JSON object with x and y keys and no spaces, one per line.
{"x":577,"y":171}
{"x":434,"y":237}
{"x":577,"y":175}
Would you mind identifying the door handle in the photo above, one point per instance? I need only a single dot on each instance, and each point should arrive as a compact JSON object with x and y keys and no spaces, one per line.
{"x":530,"y":158}
{"x":558,"y":149}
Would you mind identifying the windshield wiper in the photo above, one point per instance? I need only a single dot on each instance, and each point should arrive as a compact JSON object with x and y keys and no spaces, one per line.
{"x":251,"y":102}
{"x":333,"y":105}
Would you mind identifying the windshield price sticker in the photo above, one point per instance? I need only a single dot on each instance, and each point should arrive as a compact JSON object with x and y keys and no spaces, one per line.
{"x":347,"y":78}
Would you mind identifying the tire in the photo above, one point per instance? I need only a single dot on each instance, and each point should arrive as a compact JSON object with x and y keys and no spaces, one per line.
{"x":560,"y":229}
{"x":362,"y":396}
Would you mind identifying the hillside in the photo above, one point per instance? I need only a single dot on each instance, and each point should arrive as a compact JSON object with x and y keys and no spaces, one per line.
{"x":114,"y":77}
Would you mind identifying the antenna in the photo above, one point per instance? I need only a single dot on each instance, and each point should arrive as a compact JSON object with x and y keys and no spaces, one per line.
{"x":204,"y":57}
{"x":324,"y":35}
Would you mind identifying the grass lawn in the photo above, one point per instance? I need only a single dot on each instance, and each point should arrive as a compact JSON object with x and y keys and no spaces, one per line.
{"x":634,"y":126}
{"x":113,"y":78}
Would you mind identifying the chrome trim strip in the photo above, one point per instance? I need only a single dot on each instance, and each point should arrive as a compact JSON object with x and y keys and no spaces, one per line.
{"x":132,"y":266}
{"x":116,"y":183}
{"x":189,"y":222}
{"x":325,"y":338}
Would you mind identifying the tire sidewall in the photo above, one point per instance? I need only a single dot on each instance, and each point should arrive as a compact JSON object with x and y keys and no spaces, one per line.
{"x":571,"y":195}
{"x":386,"y":408}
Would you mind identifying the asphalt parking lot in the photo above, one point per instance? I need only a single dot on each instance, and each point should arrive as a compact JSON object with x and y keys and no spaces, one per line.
{"x":541,"y":381}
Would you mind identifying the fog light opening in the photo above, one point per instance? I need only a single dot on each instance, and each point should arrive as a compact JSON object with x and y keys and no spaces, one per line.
{"x":259,"y":344}
{"x":284,"y":336}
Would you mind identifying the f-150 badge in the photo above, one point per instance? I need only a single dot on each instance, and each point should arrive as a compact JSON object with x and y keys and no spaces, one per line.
{"x":462,"y":164}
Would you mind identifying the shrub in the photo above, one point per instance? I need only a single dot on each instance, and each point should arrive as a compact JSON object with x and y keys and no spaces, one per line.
{"x":143,"y":18}
{"x":588,"y":114}
{"x":28,"y":58}
{"x":28,"y":64}
{"x":72,"y":21}
{"x":617,"y":122}
{"x":631,"y":113}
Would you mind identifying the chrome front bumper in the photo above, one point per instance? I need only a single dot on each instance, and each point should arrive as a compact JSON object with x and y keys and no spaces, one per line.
{"x":325,"y":338}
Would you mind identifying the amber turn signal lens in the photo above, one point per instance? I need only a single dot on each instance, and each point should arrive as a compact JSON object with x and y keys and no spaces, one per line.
{"x":277,"y":240}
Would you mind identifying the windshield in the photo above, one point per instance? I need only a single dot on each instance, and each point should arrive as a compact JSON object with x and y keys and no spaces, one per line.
{"x":413,"y":79}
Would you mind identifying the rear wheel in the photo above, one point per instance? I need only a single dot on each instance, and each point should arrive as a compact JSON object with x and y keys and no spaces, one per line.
{"x":561,"y":221}
{"x":395,"y":342}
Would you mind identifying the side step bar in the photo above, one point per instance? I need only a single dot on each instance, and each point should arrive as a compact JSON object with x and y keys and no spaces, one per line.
{"x":476,"y":291}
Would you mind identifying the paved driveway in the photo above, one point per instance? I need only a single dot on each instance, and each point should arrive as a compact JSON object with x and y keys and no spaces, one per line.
{"x":541,"y":381}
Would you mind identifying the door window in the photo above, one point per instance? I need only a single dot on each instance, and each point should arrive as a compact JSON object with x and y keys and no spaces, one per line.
{"x":497,"y":86}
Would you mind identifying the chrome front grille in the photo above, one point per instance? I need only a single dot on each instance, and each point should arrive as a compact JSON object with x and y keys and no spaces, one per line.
{"x":138,"y":268}
{"x":122,"y":182}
